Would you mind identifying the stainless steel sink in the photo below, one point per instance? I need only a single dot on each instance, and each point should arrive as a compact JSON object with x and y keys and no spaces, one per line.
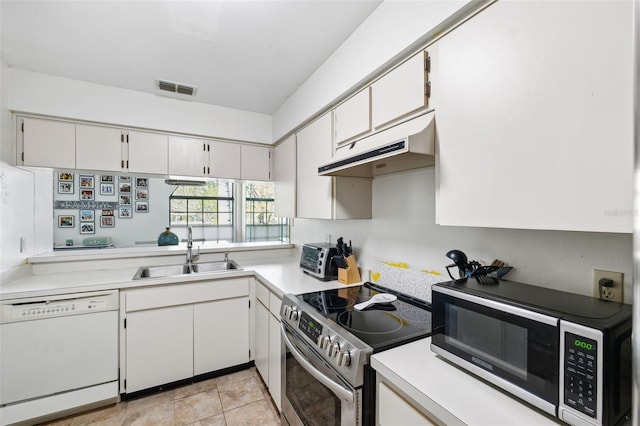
{"x":223,"y":265}
{"x":184,"y":269}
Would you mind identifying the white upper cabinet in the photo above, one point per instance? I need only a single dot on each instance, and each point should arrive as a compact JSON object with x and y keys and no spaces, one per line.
{"x":188,"y":156}
{"x":401,"y":92}
{"x":255,"y":162}
{"x":113,"y":149}
{"x":284,"y":176}
{"x":224,"y":160}
{"x":46,"y":143}
{"x":99,"y":148}
{"x":313,"y":192}
{"x":325,"y":197}
{"x":534,"y":117}
{"x":148,"y":152}
{"x":353,"y":117}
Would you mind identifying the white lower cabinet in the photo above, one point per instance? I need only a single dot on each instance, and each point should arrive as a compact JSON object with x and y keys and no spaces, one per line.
{"x":220,"y":334}
{"x":268,"y":344}
{"x":159,"y":346}
{"x":262,"y":341}
{"x":394,"y":409}
{"x":175,"y":332}
{"x":275,"y":360}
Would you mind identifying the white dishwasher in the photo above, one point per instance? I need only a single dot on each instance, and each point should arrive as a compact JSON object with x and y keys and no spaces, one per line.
{"x":57,"y":354}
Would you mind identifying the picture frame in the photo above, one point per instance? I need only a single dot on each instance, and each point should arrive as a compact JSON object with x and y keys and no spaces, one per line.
{"x":65,"y":177}
{"x":125,"y":212}
{"x":124,"y":187}
{"x":142,"y":182}
{"x":107,"y":222}
{"x":87,"y":215}
{"x":87,"y":181}
{"x":142,"y":207}
{"x":108,"y":212}
{"x":87,"y":194}
{"x":66,"y":221}
{"x":65,"y":187}
{"x":107,"y":189}
{"x":88,"y":228}
{"x":124,"y":178}
{"x":106,"y":178}
{"x":124,"y":200}
{"x":142,"y":194}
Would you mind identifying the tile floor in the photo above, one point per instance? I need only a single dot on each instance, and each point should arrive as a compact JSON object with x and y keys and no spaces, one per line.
{"x":235,"y":399}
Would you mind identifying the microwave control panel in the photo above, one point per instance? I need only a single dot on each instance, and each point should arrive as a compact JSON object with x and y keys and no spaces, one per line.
{"x":580,"y":373}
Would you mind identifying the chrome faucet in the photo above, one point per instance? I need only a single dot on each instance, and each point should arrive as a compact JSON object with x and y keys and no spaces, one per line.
{"x":190,"y":257}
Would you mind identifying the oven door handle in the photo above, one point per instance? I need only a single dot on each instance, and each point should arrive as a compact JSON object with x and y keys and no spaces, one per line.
{"x":340,"y":391}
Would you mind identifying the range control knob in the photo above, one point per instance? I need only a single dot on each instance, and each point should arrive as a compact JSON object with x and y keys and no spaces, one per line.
{"x":293,"y":316}
{"x":286,"y":310}
{"x":344,"y":358}
{"x":334,"y":348}
{"x":324,"y":341}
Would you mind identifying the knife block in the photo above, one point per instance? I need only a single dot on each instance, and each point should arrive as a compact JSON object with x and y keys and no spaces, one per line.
{"x":350,"y":274}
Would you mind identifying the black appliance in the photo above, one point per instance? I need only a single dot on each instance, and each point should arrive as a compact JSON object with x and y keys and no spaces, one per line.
{"x":328,"y":379}
{"x":566,"y":354}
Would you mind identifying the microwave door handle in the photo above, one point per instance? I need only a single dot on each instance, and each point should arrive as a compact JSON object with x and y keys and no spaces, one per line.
{"x":341,"y":392}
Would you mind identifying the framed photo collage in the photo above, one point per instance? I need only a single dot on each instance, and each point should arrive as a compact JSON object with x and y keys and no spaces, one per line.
{"x":130,"y":193}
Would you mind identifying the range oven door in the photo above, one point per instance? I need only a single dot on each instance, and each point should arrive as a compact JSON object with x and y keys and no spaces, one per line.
{"x":314,"y":394}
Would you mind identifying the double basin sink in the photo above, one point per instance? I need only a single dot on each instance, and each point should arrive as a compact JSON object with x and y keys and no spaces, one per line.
{"x":185,"y":269}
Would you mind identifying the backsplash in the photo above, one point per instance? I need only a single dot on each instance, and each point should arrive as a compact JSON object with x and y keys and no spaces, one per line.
{"x":413,"y":280}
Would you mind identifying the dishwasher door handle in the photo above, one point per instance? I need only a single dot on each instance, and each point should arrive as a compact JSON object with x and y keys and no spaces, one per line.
{"x":334,"y":387}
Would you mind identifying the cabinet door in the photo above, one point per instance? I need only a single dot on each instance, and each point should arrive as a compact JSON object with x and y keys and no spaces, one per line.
{"x":284,"y":176}
{"x":224,"y":160}
{"x":353,"y":117}
{"x":313,"y":192}
{"x":400,"y":92}
{"x":99,"y":148}
{"x":48,"y":143}
{"x":187,"y":156}
{"x":393,"y":410}
{"x":547,"y":129}
{"x":221,"y":334}
{"x":255,"y":163}
{"x":148,"y":152}
{"x":159,"y":346}
{"x":275,"y":360}
{"x":262,"y":341}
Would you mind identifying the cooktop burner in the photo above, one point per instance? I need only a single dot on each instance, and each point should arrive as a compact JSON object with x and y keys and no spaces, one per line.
{"x":381,"y":326}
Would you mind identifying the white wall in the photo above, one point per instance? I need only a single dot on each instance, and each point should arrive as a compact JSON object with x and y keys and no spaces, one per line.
{"x":403,"y":229}
{"x":391,"y":28}
{"x":21,"y":235}
{"x":62,"y":97}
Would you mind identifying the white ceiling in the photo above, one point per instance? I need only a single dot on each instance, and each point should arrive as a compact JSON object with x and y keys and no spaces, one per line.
{"x":249,"y":55}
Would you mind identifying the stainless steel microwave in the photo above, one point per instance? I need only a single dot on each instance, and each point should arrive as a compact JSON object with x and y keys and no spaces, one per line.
{"x":566,"y":354}
{"x":317,"y":260}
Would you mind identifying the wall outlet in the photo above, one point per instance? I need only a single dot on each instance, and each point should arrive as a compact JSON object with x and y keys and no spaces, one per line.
{"x":612,"y":292}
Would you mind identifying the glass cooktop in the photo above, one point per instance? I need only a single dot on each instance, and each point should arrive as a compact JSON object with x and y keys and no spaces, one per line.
{"x":381,"y":326}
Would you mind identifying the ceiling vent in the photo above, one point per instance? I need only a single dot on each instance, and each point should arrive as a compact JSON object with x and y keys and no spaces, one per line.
{"x":179,"y":88}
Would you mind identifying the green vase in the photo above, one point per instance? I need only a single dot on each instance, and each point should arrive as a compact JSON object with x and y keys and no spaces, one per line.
{"x":168,"y":238}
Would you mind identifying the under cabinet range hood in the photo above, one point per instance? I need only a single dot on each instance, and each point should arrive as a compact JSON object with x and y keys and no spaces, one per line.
{"x":406,"y":146}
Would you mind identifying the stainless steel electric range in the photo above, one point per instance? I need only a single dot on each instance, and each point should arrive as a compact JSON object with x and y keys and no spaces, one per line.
{"x":327,"y":377}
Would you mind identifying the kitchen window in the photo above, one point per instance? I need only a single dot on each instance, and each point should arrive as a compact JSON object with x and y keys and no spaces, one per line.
{"x":261,"y":223}
{"x":214,"y":211}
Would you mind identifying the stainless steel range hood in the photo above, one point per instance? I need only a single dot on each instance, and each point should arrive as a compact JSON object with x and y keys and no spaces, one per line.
{"x":406,"y":146}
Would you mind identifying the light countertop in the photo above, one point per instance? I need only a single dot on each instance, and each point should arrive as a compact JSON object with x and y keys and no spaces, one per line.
{"x":280,"y":274}
{"x":450,"y":394}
